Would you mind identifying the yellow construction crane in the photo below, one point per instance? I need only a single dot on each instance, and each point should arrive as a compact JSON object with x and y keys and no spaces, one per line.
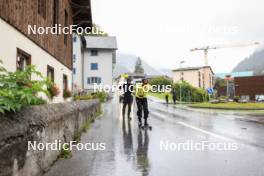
{"x":206,"y":48}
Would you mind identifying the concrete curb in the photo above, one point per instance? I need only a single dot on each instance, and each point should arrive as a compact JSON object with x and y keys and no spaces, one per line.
{"x":233,"y":109}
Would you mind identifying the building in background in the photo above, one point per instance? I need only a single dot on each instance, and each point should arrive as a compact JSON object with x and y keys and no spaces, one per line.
{"x":250,"y":88}
{"x":94,"y":58}
{"x":79,"y":45}
{"x":224,"y":86}
{"x":200,"y":77}
{"x":50,"y":53}
{"x":224,"y":82}
{"x":235,"y":74}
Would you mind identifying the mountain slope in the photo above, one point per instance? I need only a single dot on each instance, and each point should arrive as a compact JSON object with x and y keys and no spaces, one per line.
{"x":254,"y":63}
{"x":126,"y":63}
{"x":166,"y":71}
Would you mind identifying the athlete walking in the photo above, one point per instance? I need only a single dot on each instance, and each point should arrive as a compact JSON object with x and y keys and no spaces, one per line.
{"x":142,"y":101}
{"x":128,"y":98}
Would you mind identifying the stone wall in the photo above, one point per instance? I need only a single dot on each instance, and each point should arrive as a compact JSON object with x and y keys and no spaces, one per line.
{"x":46,"y":123}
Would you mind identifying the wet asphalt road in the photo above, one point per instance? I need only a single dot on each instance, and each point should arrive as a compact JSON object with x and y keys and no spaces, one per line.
{"x":130,"y":151}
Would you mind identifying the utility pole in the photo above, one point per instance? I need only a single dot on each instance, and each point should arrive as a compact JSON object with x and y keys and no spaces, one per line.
{"x":180,"y":66}
{"x":228,"y":77}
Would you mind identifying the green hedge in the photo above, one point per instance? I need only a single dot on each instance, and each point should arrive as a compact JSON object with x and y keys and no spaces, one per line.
{"x":190,"y":93}
{"x":102,"y":96}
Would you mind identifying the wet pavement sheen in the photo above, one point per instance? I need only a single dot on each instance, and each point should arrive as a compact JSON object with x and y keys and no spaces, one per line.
{"x":132,"y":151}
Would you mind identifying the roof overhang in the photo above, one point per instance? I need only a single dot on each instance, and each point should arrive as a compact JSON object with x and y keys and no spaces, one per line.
{"x":193,"y":68}
{"x":99,"y":42}
{"x":82,"y":13}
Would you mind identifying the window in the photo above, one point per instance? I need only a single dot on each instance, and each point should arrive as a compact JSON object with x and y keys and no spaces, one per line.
{"x":245,"y":97}
{"x":94,"y":53}
{"x":88,"y":80}
{"x":23,"y":59}
{"x":210,"y":80}
{"x":50,"y":73}
{"x":74,"y":71}
{"x":65,"y":82}
{"x":74,"y":58}
{"x":203,"y":81}
{"x":55,"y":12}
{"x":199,"y":79}
{"x":94,"y":80}
{"x":74,"y":39}
{"x":94,"y":66}
{"x":42,"y":8}
{"x":65,"y":25}
{"x":182,"y":76}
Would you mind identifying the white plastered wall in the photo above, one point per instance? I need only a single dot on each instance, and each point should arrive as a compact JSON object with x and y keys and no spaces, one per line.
{"x":11,"y":39}
{"x":105,"y":67}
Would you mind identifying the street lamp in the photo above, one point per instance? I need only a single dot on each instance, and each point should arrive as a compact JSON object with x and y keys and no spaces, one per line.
{"x":180,"y":66}
{"x":227,"y":78}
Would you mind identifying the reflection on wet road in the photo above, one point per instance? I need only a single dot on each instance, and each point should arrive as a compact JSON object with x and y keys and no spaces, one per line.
{"x":142,"y":162}
{"x":131,"y":151}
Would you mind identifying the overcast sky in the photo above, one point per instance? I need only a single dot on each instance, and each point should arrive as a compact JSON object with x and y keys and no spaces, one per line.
{"x":163,"y":32}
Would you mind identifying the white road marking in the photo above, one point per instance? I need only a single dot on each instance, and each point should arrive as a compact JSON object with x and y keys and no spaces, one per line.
{"x":193,"y":127}
{"x":204,"y":131}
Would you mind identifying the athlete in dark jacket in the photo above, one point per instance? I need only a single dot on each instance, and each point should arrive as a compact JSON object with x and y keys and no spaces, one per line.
{"x":128,"y":97}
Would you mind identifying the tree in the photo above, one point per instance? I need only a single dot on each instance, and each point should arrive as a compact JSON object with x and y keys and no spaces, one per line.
{"x":190,"y":93}
{"x":138,"y":67}
{"x":221,"y":87}
{"x":160,"y":81}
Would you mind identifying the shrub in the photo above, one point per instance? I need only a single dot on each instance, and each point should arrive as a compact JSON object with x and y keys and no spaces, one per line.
{"x":190,"y":93}
{"x":84,"y":97}
{"x":223,"y":97}
{"x":17,"y":90}
{"x":236,"y":99}
{"x":66,"y":152}
{"x":160,"y":81}
{"x":102,"y":96}
{"x":53,"y":90}
{"x":67,"y":93}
